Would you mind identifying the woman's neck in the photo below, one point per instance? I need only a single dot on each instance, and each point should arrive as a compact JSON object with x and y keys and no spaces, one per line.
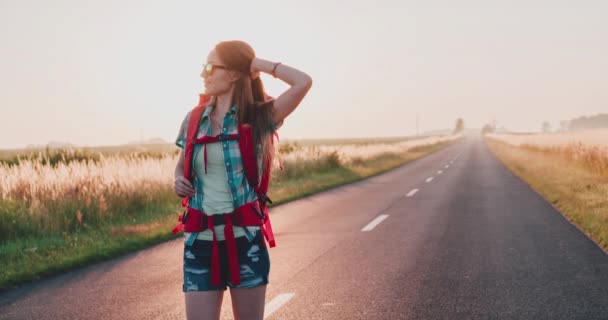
{"x":222,"y":102}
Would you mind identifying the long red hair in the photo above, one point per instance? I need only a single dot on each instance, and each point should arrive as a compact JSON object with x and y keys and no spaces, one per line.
{"x":249,"y":95}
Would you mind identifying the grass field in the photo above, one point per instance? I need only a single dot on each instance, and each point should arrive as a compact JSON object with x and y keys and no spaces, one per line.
{"x":64,"y":209}
{"x":588,"y":147}
{"x":570,"y":174}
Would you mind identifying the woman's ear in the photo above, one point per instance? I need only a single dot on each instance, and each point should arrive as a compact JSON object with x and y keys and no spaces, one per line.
{"x":234,"y":76}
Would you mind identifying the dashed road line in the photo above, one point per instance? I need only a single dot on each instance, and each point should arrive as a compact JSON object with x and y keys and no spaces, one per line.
{"x":276,"y":303}
{"x":429,"y":179}
{"x":370,"y":226}
{"x":439,"y":172}
{"x":411,"y":193}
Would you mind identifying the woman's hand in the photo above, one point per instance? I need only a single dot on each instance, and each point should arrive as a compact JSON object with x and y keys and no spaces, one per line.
{"x":183,"y":187}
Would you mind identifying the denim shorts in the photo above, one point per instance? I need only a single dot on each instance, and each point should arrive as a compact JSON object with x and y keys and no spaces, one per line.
{"x":253,"y":257}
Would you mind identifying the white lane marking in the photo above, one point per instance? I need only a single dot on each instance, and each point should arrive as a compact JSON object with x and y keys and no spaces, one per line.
{"x":411,"y":193}
{"x":276,"y":303}
{"x":429,"y":179}
{"x":439,"y":172}
{"x":447,"y":166}
{"x":370,"y":226}
{"x":456,"y":157}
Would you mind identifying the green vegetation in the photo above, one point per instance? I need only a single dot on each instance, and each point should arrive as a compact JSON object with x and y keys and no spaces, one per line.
{"x":80,"y":229}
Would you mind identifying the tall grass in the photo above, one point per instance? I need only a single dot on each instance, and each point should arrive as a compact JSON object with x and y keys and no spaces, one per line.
{"x":63,"y":191}
{"x":46,"y":197}
{"x":589,"y":147}
{"x":346,"y":154}
{"x":65,"y":208}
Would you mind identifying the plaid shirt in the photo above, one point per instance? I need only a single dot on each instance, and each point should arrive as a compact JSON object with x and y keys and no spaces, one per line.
{"x":242,"y":192}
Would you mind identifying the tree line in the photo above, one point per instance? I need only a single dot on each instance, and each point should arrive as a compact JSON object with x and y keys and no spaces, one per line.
{"x":580,"y":123}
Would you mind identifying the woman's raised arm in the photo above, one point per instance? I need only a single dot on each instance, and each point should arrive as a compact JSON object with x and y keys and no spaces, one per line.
{"x":299,"y":81}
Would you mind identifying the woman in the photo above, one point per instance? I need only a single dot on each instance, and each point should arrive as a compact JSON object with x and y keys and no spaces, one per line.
{"x":219,"y":185}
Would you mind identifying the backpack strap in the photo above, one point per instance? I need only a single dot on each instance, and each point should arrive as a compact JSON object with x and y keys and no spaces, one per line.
{"x":250,"y":166}
{"x":260,"y":186}
{"x":246,"y":144}
{"x":193,"y":124}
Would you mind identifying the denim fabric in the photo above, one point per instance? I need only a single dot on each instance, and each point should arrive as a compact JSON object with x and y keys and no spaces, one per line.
{"x":254,"y":264}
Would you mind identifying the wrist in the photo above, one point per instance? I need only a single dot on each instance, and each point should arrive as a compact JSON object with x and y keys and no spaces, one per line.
{"x":273,"y":72}
{"x":261,"y":65}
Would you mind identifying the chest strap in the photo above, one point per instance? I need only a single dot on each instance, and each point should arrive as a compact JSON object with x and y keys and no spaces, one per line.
{"x":212,"y":139}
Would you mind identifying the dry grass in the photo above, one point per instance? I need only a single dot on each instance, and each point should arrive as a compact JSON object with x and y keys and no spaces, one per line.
{"x":73,"y":209}
{"x":65,"y":192}
{"x":348,"y":153}
{"x":36,"y":196}
{"x":589,"y":147}
{"x":578,"y":191}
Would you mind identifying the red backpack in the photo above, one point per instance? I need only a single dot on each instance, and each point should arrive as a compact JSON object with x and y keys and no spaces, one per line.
{"x":250,"y":214}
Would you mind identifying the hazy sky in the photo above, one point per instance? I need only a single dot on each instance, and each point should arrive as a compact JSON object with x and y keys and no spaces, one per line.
{"x":106,"y":72}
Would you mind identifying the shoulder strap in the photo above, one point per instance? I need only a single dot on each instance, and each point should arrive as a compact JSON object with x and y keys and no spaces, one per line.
{"x":265,"y":180}
{"x":250,"y":166}
{"x":193,"y":124}
{"x":248,"y":154}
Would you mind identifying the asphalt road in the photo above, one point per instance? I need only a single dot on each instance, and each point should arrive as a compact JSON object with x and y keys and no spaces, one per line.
{"x":453,"y":235}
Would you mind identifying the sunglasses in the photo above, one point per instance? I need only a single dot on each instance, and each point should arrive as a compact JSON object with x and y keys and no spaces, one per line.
{"x":208,"y":68}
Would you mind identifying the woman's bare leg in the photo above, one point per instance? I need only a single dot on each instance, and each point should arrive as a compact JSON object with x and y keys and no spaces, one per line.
{"x":203,"y":305}
{"x":248,"y":303}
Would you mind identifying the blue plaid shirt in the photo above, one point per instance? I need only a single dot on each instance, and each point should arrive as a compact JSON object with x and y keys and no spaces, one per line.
{"x":242,"y":192}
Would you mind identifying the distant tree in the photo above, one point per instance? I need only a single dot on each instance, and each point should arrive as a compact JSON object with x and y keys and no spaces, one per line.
{"x":459,"y":125}
{"x":546,"y":127}
{"x":564,"y":125}
{"x":488,"y":128}
{"x":592,"y":122}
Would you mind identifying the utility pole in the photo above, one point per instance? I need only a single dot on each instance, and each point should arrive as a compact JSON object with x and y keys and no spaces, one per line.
{"x":417,"y":129}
